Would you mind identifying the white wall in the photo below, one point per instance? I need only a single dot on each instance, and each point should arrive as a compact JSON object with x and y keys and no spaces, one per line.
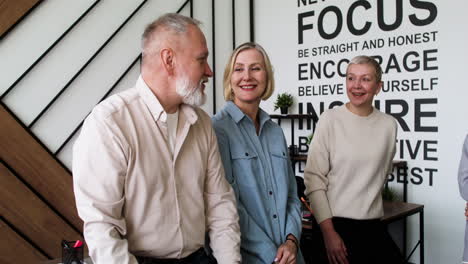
{"x":277,"y":31}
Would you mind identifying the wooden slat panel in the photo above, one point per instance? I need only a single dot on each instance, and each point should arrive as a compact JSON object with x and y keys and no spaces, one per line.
{"x":14,"y":249}
{"x":13,"y":10}
{"x":32,"y":217}
{"x":37,"y":167}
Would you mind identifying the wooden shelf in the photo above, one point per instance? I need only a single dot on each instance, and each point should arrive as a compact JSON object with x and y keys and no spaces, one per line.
{"x":393,"y":211}
{"x":399,"y":163}
{"x":303,"y":157}
{"x":299,"y":157}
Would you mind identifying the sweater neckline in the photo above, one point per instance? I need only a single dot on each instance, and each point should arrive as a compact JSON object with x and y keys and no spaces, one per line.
{"x":358,"y":117}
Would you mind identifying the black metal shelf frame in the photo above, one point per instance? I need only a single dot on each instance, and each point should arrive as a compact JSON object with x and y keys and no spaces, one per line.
{"x":233,"y":3}
{"x":252,"y":20}
{"x":213,"y":47}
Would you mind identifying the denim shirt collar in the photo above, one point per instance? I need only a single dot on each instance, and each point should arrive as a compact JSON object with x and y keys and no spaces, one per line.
{"x":237,"y":114}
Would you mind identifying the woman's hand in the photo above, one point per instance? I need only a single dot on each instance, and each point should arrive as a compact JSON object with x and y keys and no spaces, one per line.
{"x":336,"y":249}
{"x":287,"y":252}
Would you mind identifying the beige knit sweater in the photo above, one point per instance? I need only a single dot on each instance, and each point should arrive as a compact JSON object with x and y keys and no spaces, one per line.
{"x":349,"y":159}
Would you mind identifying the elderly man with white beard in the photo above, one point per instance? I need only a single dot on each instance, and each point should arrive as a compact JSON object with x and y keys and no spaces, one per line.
{"x":148,"y":179}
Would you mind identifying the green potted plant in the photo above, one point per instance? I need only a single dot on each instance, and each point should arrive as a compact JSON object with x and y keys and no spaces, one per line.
{"x":389,"y":194}
{"x":309,"y":139}
{"x":283,"y":102}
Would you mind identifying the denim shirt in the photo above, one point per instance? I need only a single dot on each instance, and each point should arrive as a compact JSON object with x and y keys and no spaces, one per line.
{"x":260,"y":172}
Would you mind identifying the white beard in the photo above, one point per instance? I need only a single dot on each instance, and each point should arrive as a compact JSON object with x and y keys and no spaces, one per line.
{"x":191,"y":93}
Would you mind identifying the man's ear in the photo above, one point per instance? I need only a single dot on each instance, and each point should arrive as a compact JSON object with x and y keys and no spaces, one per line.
{"x":168,"y":61}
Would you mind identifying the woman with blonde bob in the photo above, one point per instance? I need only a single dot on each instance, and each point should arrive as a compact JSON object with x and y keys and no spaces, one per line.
{"x":349,"y":159}
{"x":255,"y":158}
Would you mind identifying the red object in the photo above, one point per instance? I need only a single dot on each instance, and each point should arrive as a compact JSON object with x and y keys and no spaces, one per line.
{"x":78,"y":243}
{"x":307,"y":205}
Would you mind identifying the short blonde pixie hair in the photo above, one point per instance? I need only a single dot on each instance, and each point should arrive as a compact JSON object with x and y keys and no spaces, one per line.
{"x":270,"y":87}
{"x":369,"y":61}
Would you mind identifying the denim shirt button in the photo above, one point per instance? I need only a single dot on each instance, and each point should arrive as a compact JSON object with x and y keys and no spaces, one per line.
{"x":270,"y":192}
{"x":274,"y":216}
{"x":246,"y":154}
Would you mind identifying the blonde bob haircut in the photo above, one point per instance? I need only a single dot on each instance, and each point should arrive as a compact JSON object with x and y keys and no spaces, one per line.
{"x":270,"y":86}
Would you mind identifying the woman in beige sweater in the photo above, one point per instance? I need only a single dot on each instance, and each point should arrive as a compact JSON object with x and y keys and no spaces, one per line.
{"x":349,"y":159}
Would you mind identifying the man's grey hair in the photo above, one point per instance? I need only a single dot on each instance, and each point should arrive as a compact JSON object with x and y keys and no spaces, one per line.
{"x":170,"y":22}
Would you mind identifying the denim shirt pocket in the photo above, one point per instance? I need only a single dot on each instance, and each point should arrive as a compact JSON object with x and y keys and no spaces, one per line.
{"x":245,"y":165}
{"x":279,"y":163}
